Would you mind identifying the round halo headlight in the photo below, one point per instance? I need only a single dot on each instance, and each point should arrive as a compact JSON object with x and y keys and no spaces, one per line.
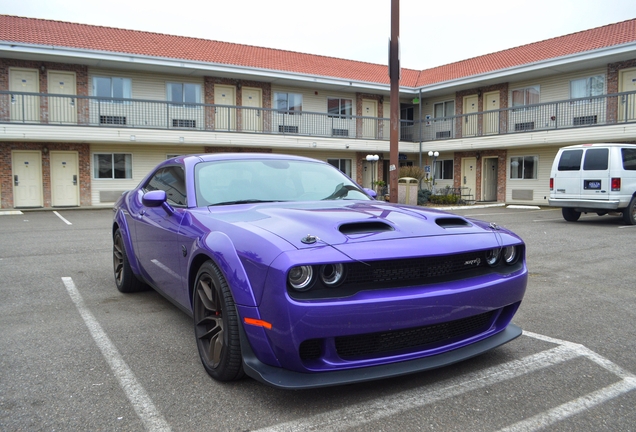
{"x":492,"y":257}
{"x":332,"y":274}
{"x":510,"y":254}
{"x":300,"y":278}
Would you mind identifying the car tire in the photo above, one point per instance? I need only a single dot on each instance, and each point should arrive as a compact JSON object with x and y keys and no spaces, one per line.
{"x":216,"y":325}
{"x":125,"y":279}
{"x":629,"y":213}
{"x":570,"y":214}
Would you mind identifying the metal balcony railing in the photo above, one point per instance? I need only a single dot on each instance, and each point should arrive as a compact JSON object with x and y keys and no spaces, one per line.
{"x":54,"y":109}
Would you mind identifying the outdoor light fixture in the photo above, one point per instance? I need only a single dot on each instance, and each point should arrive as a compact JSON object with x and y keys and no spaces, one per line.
{"x":373,"y":159}
{"x":434,"y":155}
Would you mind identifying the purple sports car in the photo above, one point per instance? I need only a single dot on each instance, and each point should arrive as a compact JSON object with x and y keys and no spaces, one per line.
{"x":297,"y":277}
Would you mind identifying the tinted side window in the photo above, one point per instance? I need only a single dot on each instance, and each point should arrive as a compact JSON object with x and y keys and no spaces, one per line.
{"x":172,"y":180}
{"x":629,"y":159}
{"x":596,"y":159}
{"x":570,"y":160}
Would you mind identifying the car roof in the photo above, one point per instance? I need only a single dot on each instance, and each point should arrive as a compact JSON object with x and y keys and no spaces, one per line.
{"x":209,"y":157}
{"x":599,"y":145}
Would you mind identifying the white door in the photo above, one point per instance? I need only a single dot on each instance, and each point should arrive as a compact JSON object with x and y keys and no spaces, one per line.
{"x":628,"y":102}
{"x":369,"y":125}
{"x":64,"y":179}
{"x":470,"y":115}
{"x":469,"y":174}
{"x":224,"y":118}
{"x":491,"y":119}
{"x":62,"y":109}
{"x":489,"y":176}
{"x":24,"y":107}
{"x":252,"y":118}
{"x":27,"y":178}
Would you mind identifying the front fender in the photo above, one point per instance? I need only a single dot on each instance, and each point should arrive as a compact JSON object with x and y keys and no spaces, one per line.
{"x":223,"y":252}
{"x":120,"y":221}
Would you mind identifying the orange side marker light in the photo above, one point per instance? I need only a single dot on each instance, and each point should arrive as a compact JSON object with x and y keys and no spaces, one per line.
{"x":257,"y":323}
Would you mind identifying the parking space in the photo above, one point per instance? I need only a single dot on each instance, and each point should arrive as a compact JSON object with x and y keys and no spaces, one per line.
{"x":78,"y":355}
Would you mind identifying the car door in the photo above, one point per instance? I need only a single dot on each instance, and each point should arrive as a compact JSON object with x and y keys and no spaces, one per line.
{"x":596,"y":179}
{"x":156,"y":231}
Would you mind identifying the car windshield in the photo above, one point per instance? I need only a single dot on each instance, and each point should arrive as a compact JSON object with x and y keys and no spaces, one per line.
{"x":270,"y":180}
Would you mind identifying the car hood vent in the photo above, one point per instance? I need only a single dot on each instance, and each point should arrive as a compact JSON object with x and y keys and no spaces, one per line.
{"x":452,"y":222}
{"x":365,"y":228}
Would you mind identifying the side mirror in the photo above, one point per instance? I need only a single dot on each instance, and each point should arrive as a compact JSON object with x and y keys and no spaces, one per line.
{"x":371,"y":193}
{"x":154,"y":198}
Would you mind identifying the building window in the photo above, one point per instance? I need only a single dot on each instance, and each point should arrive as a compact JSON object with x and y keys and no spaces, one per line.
{"x":525,"y":96}
{"x":112,"y":166}
{"x":288,"y":102}
{"x":444,"y":109}
{"x":524,"y":167}
{"x":343,"y":165}
{"x":444,"y":169}
{"x":181,"y":93}
{"x":111,"y":87}
{"x":587,"y":87}
{"x":341,"y":108}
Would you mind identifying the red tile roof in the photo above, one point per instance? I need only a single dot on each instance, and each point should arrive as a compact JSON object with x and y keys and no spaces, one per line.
{"x":88,"y":37}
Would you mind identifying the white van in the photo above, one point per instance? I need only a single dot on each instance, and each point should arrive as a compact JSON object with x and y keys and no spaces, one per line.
{"x":595,"y":178}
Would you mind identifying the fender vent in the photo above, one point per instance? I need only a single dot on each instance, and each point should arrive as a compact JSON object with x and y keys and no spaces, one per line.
{"x":365,"y":228}
{"x":452,"y":222}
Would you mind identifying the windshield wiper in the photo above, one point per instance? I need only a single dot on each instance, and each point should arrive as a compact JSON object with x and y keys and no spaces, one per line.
{"x":340,"y":192}
{"x":246,"y":201}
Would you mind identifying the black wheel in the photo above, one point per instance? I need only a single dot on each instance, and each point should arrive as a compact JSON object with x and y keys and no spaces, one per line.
{"x":629,"y":213}
{"x":125,"y":279}
{"x":570,"y":214}
{"x":216,"y":325}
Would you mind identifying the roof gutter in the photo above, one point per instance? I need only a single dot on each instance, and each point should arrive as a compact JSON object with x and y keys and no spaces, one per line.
{"x":9,"y":47}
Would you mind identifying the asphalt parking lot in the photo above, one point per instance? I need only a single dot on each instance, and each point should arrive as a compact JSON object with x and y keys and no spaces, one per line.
{"x":75,"y":354}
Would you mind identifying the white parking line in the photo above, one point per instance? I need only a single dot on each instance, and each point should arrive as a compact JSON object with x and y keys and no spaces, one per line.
{"x":61,"y":217}
{"x":141,"y":402}
{"x":363,"y":413}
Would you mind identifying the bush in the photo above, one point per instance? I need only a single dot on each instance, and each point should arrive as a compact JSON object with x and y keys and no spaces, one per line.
{"x":444,"y":199}
{"x":411,"y":171}
{"x":423,"y":196}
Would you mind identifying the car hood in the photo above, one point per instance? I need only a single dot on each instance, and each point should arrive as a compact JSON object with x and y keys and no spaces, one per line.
{"x":337,"y":222}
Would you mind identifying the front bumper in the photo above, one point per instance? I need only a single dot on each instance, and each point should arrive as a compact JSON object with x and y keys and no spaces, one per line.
{"x":291,"y":380}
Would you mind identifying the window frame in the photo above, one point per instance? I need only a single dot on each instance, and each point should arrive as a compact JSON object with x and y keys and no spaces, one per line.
{"x":341,"y":107}
{"x":589,"y":87}
{"x":445,"y":106}
{"x":524,"y":158}
{"x":525,"y":105}
{"x":183,"y":102}
{"x":126,"y":89}
{"x":339,"y":166}
{"x":295,"y":110}
{"x":127,"y":170}
{"x":442,"y":163}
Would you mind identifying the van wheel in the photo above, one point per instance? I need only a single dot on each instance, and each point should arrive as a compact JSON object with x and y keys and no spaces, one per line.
{"x":629,"y":214}
{"x":570,"y":214}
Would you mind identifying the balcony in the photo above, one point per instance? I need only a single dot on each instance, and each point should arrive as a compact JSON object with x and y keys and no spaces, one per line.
{"x":93,"y":112}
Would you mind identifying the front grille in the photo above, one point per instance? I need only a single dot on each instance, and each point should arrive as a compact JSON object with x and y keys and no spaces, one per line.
{"x":376,"y":344}
{"x":413,"y":269}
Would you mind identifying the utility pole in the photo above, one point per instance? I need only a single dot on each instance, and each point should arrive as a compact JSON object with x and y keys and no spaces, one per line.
{"x":394,"y":75}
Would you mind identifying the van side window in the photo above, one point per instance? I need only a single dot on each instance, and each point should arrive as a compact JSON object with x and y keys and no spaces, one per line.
{"x":596,"y":159}
{"x":629,"y":159}
{"x":570,"y":160}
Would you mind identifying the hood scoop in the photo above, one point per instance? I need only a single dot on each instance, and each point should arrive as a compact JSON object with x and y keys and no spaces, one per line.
{"x":452,"y":222}
{"x":365,"y":228}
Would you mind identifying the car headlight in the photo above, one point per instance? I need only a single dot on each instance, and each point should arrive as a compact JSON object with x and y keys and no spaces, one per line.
{"x":510,"y":255}
{"x":492,"y":257}
{"x":301,"y":278}
{"x":332,"y":274}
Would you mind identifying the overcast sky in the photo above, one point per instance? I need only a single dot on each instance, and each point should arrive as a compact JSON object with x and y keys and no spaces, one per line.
{"x":431,"y":33}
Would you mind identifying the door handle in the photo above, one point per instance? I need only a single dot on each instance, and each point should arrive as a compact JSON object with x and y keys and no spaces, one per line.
{"x":72,"y":101}
{"x":74,"y":179}
{"x":15,"y":180}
